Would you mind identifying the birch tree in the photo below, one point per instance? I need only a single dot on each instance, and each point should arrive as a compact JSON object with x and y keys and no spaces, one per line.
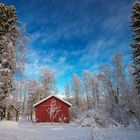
{"x":48,"y":82}
{"x":87,"y":86}
{"x":119,"y":76}
{"x":34,"y":95}
{"x":76,"y":89}
{"x":67,"y":91}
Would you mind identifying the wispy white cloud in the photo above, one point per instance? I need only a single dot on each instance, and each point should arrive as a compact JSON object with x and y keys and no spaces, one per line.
{"x":119,"y":20}
{"x":57,"y":64}
{"x":94,"y":51}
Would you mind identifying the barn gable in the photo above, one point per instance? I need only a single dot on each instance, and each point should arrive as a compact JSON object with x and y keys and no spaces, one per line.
{"x":52,"y":95}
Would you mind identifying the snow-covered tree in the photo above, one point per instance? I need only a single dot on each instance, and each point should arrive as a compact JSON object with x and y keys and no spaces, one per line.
{"x":95,"y":90}
{"x":76,"y":89}
{"x":119,"y":76}
{"x":112,"y":104}
{"x":67,"y":91}
{"x":116,"y":90}
{"x":21,"y":52}
{"x":135,"y":24}
{"x":34,"y":95}
{"x":8,"y":41}
{"x":48,"y":82}
{"x":87,"y":85}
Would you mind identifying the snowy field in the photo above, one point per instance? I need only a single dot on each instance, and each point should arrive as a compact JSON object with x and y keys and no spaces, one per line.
{"x":28,"y":131}
{"x":115,"y":134}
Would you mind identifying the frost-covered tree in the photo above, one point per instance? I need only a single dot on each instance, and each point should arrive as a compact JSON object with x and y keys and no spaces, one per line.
{"x":116,"y":90}
{"x":111,"y":97}
{"x":132,"y":91}
{"x":67,"y":91}
{"x":48,"y":82}
{"x":87,"y":85}
{"x":135,"y":24}
{"x":21,"y":92}
{"x":95,"y":90}
{"x":108,"y":88}
{"x":8,"y":41}
{"x":33,"y":97}
{"x":21,"y":52}
{"x":119,"y":77}
{"x":76,"y":89}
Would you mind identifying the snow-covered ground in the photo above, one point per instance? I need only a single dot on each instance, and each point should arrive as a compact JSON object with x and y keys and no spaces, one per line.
{"x":24,"y":130}
{"x":28,"y":131}
{"x":115,"y":134}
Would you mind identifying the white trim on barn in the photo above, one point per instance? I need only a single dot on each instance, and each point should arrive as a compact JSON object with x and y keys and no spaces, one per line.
{"x":52,"y":95}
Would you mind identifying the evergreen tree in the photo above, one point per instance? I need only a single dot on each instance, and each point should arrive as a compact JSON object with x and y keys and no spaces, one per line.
{"x":8,"y":41}
{"x":135,"y":24}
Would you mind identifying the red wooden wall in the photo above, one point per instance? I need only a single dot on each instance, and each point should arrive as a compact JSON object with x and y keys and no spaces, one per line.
{"x":42,"y":109}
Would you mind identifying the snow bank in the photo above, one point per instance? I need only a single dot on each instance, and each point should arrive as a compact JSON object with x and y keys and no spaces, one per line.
{"x":92,"y":118}
{"x":100,"y":119}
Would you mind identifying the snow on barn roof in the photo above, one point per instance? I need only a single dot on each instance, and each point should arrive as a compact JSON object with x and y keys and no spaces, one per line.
{"x":52,"y":95}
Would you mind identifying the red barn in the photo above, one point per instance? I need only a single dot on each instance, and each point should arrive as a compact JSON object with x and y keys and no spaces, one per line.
{"x":52,"y":109}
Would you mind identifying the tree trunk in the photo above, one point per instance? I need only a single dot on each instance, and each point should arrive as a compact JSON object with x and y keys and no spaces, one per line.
{"x":17,"y":112}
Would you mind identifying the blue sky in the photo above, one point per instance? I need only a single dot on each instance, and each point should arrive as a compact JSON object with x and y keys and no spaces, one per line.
{"x":69,"y":36}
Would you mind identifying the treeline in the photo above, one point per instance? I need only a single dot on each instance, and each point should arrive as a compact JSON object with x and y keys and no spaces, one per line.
{"x":112,"y":90}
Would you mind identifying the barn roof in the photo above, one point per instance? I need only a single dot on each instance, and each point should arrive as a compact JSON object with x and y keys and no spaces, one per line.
{"x":52,"y":95}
